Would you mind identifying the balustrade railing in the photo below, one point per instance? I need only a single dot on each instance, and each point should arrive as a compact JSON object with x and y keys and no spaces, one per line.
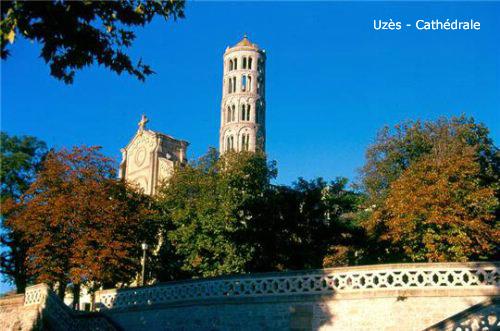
{"x":59,"y":316}
{"x":325,"y":281}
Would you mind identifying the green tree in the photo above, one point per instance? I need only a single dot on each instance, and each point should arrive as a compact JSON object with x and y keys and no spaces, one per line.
{"x":207,"y":208}
{"x":76,"y":34}
{"x":395,"y":150}
{"x":301,"y":226}
{"x":222,"y":216}
{"x":20,"y":158}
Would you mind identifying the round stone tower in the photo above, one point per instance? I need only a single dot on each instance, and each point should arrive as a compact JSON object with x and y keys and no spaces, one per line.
{"x":243,"y":107}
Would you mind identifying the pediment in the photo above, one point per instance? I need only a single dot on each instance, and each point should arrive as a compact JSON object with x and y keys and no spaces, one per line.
{"x":145,"y":139}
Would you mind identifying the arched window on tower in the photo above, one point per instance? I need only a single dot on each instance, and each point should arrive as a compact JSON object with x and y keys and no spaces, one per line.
{"x":248,"y":112}
{"x":228,"y":117}
{"x":235,"y":64}
{"x":249,"y":83}
{"x":233,"y":113}
{"x":229,"y":86}
{"x":245,"y":140}
{"x":244,"y":62}
{"x":245,"y":112}
{"x":243,"y":83}
{"x":249,"y":63}
{"x":230,"y":65}
{"x":234,"y":84}
{"x":231,"y":144}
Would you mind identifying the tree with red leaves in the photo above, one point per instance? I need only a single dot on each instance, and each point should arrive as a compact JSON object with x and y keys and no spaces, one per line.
{"x":83,"y":225}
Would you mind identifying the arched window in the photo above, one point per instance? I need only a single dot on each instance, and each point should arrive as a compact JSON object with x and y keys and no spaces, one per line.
{"x":230,"y":65}
{"x":230,"y":86}
{"x":234,"y":84}
{"x":249,"y":63}
{"x":245,"y":112}
{"x":248,"y":112}
{"x":243,"y":83}
{"x":233,"y":114}
{"x":229,"y":143}
{"x":244,"y":62}
{"x":245,"y":140}
{"x":235,"y":64}
{"x":249,"y":83}
{"x":228,"y":117}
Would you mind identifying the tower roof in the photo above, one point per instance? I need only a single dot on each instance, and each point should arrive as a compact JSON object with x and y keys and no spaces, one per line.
{"x":246,"y":43}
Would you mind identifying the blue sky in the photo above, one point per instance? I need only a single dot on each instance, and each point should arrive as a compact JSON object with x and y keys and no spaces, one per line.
{"x":332,"y":81}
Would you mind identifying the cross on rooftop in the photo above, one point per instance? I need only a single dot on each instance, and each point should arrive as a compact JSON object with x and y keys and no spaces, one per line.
{"x":143,"y":121}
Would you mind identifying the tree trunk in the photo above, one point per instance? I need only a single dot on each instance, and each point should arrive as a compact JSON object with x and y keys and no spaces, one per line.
{"x":61,"y":290}
{"x":76,"y":296}
{"x":20,"y":284}
{"x":18,"y":254}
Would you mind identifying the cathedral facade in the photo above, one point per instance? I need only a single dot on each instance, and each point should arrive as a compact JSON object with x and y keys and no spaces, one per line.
{"x":150,"y":157}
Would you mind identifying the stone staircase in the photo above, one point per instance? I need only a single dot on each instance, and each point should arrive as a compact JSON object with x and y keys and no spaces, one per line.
{"x":41,"y":309}
{"x":484,"y":316}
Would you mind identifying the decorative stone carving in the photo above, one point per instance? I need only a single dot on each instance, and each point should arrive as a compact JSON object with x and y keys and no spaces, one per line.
{"x":140,"y":156}
{"x":484,"y":316}
{"x":328,"y":281}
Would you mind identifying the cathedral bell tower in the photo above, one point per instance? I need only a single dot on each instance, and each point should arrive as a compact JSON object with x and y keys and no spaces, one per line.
{"x":243,"y":107}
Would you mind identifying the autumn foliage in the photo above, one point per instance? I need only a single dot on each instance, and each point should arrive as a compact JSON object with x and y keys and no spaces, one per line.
{"x":429,"y":192}
{"x":437,"y":211}
{"x":433,"y":190}
{"x":83,"y":226}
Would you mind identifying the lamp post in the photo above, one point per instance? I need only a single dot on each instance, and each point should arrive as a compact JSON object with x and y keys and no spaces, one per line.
{"x":143,"y":273}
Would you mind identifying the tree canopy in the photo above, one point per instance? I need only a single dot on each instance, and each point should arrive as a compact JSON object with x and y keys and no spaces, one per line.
{"x":20,"y":159}
{"x":433,"y":192}
{"x":223,"y":216}
{"x":76,"y":34}
{"x":207,"y":206}
{"x":395,"y":150}
{"x":81,"y":224}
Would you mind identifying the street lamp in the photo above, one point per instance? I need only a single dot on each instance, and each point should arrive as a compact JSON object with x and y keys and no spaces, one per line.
{"x":143,"y":273}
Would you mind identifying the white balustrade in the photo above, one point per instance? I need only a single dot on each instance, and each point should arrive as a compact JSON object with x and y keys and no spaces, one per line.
{"x":326,"y":281}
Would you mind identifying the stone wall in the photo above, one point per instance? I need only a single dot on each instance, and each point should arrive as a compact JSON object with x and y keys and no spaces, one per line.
{"x":383,"y":297}
{"x":40,"y":309}
{"x":15,"y":316}
{"x":442,"y":296}
{"x":415,"y":313}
